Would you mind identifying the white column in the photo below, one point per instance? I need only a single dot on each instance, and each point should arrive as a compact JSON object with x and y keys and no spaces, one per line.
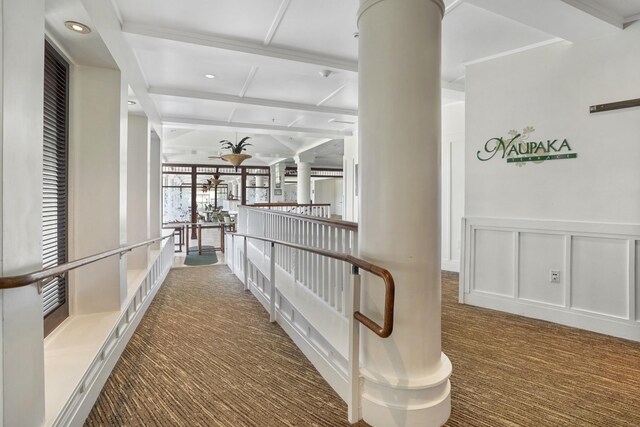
{"x":236,"y":189}
{"x":350,"y":160}
{"x":95,"y":176}
{"x":155,"y":187}
{"x":277,"y":174}
{"x":406,"y":375}
{"x":259,"y":181}
{"x":21,"y":327}
{"x":137,"y":190}
{"x":304,"y":177}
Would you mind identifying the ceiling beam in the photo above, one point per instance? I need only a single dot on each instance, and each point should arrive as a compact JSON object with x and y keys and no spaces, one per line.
{"x":276,"y":22}
{"x":275,"y":129}
{"x":220,"y":97}
{"x":572,"y":20}
{"x":105,"y":20}
{"x":237,"y":45}
{"x":632,"y":18}
{"x":452,"y":6}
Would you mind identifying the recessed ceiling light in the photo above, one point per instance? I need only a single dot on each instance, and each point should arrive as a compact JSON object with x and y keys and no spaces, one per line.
{"x":131,"y":102}
{"x":210,"y":76}
{"x":77,"y":27}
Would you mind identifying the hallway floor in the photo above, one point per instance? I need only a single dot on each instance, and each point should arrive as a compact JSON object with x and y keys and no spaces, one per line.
{"x":205,"y":354}
{"x":514,"y":371}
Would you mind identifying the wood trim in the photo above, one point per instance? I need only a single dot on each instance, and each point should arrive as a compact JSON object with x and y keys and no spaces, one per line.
{"x":614,"y":106}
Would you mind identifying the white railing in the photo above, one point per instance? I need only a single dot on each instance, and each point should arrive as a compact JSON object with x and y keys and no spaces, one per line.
{"x":326,"y":278}
{"x":320,"y":210}
{"x":315,"y":297}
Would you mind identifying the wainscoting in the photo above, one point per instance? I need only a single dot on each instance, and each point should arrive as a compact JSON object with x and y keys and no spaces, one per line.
{"x":507,"y":265}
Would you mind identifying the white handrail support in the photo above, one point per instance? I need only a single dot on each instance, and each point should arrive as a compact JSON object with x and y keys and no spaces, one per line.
{"x":272,"y":284}
{"x":354,"y":349}
{"x":245,"y":266}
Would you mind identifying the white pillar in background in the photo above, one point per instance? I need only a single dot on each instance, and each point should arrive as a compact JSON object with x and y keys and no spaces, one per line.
{"x":235,"y":189}
{"x":277,"y":172}
{"x":155,"y":187}
{"x":304,"y":178}
{"x":406,"y":376}
{"x":259,"y":181}
{"x":138,"y":230}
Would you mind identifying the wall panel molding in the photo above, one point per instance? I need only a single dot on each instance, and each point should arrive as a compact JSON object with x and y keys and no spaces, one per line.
{"x":598,"y":264}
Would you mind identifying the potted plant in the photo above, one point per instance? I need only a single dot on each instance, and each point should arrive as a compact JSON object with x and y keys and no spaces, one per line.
{"x":236,"y":157}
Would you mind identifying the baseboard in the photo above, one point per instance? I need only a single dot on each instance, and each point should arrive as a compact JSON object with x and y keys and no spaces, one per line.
{"x":450,"y":265}
{"x":594,"y":322}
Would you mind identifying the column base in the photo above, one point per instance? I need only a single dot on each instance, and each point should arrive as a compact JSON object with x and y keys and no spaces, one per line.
{"x":423,"y":402}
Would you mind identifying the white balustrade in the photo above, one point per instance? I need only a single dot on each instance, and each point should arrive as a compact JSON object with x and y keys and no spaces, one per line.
{"x":320,"y":210}
{"x":311,"y":296}
{"x":325,"y":277}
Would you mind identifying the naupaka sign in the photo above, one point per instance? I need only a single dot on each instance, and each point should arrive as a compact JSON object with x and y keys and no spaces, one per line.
{"x":519,"y":148}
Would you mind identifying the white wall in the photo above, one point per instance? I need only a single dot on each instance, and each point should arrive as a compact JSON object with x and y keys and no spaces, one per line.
{"x":21,"y":327}
{"x":453,"y":126}
{"x":524,"y":221}
{"x":328,"y":190}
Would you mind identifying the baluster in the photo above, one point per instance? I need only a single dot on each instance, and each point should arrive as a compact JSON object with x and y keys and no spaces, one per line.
{"x":327,"y":265}
{"x":340,"y":271}
{"x":245,"y":266}
{"x":354,"y":348}
{"x":291,"y":231}
{"x":272,"y":285}
{"x":308,"y":258}
{"x":316,"y":260}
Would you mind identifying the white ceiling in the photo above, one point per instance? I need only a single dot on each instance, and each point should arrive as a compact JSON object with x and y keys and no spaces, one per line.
{"x":267,"y":56}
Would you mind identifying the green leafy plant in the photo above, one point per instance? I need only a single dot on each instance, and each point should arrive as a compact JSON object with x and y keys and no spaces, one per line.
{"x":236,"y":148}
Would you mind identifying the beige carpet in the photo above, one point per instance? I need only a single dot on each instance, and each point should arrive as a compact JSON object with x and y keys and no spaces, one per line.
{"x":206,"y":355}
{"x":513,"y":371}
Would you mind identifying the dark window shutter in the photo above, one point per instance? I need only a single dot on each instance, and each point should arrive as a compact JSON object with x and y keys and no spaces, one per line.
{"x":54,"y":185}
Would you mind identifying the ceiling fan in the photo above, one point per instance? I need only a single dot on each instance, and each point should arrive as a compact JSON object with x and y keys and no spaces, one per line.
{"x":212,"y":182}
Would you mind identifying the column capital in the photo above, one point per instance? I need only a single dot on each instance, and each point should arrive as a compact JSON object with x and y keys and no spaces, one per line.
{"x":304,"y":158}
{"x":366,"y":4}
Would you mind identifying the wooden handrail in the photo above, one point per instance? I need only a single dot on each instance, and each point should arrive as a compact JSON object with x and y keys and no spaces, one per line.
{"x":347,"y":225}
{"x":389,"y":295}
{"x":10,"y":282}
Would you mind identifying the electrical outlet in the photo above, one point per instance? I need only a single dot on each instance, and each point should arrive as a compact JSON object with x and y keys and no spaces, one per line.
{"x":554,"y":276}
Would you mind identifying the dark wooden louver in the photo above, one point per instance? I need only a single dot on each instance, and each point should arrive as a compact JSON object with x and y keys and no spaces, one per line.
{"x":54,"y":185}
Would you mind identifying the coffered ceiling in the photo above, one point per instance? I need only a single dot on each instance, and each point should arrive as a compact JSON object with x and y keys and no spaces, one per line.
{"x":285,"y":71}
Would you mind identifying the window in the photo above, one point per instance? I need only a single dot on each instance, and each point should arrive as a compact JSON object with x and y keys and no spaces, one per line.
{"x":54,"y":185}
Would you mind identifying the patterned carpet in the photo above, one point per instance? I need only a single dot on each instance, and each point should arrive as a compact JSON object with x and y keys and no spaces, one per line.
{"x":513,"y":371}
{"x":205,"y":354}
{"x":508,"y":371}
